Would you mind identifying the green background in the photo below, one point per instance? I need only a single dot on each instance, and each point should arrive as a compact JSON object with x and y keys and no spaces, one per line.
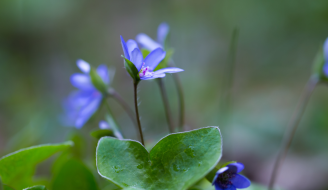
{"x":40,"y":40}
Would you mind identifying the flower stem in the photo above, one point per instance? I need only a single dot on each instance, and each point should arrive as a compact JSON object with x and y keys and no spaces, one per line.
{"x":112,"y":122}
{"x":181,"y":100}
{"x":295,"y":120}
{"x":166,"y":104}
{"x":135,"y":85}
{"x":112,"y":93}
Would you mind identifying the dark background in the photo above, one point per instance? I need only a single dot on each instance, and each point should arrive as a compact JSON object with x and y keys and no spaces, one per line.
{"x":40,"y":40}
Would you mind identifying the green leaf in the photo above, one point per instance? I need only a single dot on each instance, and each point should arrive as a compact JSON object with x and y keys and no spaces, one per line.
{"x":6,"y":187}
{"x":97,"y":81}
{"x":18,"y":167}
{"x":74,"y":175}
{"x":37,"y":187}
{"x":176,"y":161}
{"x":132,"y":69}
{"x":101,"y":133}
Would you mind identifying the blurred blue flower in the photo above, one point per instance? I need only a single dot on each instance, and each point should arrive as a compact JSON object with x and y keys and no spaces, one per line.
{"x":82,"y":104}
{"x":227,"y":178}
{"x":146,"y":66}
{"x":105,"y":125}
{"x":148,"y":43}
{"x":325,"y":54}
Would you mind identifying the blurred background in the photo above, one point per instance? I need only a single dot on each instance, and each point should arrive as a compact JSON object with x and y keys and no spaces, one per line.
{"x":40,"y":41}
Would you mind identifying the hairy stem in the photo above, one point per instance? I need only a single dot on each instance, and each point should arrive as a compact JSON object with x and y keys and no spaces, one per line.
{"x":137,"y":112}
{"x":166,"y":105}
{"x":295,"y":120}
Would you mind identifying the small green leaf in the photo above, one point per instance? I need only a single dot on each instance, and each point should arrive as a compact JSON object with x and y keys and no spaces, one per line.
{"x":165,"y":62}
{"x":176,"y":162}
{"x":318,"y":64}
{"x":145,"y":52}
{"x":37,"y":187}
{"x":227,"y":163}
{"x":101,"y":133}
{"x":97,"y":81}
{"x":16,"y":168}
{"x":74,"y":175}
{"x":114,"y":126}
{"x":132,"y":70}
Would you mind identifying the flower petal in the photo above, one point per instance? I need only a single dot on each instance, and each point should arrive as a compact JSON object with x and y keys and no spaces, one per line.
{"x":125,"y":49}
{"x":83,"y":66}
{"x":217,"y":187}
{"x":154,"y":58}
{"x":88,"y":110}
{"x":220,"y":171}
{"x":169,"y":70}
{"x":235,"y":167}
{"x":131,"y":44}
{"x":146,"y":42}
{"x":103,"y":72}
{"x":325,"y":69}
{"x":240,"y":181}
{"x":325,"y":50}
{"x":162,"y":32}
{"x":72,"y":105}
{"x":81,"y":81}
{"x":161,"y":75}
{"x":136,"y":58}
{"x":104,"y":125}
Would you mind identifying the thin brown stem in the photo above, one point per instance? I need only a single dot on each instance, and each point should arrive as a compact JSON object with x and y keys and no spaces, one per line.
{"x":137,"y":112}
{"x":166,"y":104}
{"x":292,"y":127}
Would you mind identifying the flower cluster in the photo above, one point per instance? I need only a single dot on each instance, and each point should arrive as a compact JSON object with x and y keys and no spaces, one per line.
{"x":145,"y":67}
{"x":82,"y":104}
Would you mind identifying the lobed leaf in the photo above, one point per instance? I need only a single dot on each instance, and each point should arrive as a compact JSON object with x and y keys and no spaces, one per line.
{"x":176,"y":162}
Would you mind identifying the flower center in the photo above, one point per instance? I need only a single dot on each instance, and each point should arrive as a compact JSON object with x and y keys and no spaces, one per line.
{"x":224,"y":179}
{"x":145,"y":71}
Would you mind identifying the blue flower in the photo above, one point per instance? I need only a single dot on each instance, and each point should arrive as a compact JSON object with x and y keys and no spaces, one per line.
{"x":146,"y":66}
{"x":325,"y":54}
{"x":104,"y":125}
{"x":148,"y":43}
{"x":82,"y":104}
{"x":227,"y":178}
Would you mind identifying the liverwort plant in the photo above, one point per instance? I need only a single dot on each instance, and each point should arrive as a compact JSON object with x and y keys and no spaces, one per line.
{"x":227,"y":178}
{"x":143,"y":69}
{"x":93,"y":88}
{"x":148,"y":45}
{"x":82,"y":104}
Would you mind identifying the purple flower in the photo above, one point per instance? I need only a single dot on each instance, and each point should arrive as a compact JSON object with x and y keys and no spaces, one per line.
{"x":325,"y":54}
{"x":82,"y":104}
{"x":148,"y":43}
{"x":227,"y":178}
{"x":146,"y":66}
{"x":104,"y":125}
